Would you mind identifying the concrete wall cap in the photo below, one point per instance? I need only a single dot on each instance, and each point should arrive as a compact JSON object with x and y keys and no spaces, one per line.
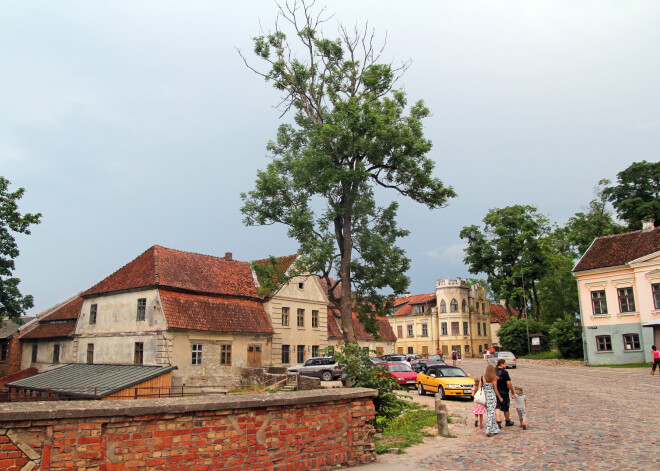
{"x":44,"y":410}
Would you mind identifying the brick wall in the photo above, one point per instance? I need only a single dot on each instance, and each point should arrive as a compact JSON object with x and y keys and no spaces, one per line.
{"x":302,"y":430}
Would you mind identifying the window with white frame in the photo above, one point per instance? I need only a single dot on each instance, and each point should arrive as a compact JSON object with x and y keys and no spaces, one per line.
{"x":443,"y":306}
{"x":655,"y":288}
{"x":631,"y":342}
{"x":196,"y":353}
{"x":425,"y":330}
{"x":626,"y":300}
{"x":410,"y":330}
{"x":598,"y":302}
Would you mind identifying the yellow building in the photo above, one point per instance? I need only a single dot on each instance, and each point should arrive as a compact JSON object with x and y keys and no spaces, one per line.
{"x":455,"y":317}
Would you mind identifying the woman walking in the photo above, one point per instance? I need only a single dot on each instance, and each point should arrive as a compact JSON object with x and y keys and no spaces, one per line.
{"x":488,"y":383}
{"x":656,"y":358}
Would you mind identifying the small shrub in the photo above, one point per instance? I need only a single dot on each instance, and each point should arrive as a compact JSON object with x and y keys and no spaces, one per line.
{"x":567,"y":337}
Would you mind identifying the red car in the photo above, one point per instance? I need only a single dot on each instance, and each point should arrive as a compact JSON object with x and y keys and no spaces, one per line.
{"x":403,"y":375}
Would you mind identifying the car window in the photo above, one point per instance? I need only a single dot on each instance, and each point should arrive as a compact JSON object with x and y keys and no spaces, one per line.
{"x":310,"y":363}
{"x":453,"y":372}
{"x":398,"y":368}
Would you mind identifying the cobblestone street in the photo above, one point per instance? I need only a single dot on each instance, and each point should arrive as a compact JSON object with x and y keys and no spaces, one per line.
{"x":578,"y":418}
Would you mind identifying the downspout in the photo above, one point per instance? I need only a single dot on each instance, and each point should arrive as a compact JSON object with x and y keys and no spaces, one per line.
{"x":585,"y":353}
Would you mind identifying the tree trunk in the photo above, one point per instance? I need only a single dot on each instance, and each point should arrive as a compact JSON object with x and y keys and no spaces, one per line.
{"x":345,"y":241}
{"x":537,"y":303}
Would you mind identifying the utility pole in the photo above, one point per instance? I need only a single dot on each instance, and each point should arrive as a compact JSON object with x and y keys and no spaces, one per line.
{"x":522,"y":277}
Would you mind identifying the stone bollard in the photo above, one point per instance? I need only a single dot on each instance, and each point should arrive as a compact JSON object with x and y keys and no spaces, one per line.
{"x":443,"y":414}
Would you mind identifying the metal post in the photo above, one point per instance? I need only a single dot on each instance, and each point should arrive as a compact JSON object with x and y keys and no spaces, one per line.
{"x":529,"y":348}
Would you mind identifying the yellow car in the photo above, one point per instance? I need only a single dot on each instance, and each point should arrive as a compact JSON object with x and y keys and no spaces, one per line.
{"x":445,"y":380}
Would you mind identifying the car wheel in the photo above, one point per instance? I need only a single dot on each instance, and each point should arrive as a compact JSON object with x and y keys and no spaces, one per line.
{"x":326,"y":376}
{"x":441,"y":391}
{"x":421,"y":390}
{"x":513,"y":367}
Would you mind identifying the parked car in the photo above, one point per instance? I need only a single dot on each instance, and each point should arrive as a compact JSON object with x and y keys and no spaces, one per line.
{"x":403,"y":375}
{"x":445,"y":380}
{"x":508,"y":356}
{"x":423,"y":364}
{"x":413,"y":356}
{"x":320,"y":367}
{"x":394,"y":357}
{"x":435,"y":357}
{"x":376,"y":360}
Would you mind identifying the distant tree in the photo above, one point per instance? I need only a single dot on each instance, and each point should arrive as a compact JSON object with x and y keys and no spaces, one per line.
{"x":637,"y":195}
{"x":12,"y":303}
{"x":557,"y":289}
{"x":350,"y":134}
{"x":510,"y":251}
{"x":567,"y":337}
{"x":581,"y":229}
{"x":513,"y":335}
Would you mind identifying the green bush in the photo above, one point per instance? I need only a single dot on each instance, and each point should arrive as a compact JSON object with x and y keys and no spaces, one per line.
{"x":567,"y":337}
{"x":513,"y":335}
{"x":361,"y":373}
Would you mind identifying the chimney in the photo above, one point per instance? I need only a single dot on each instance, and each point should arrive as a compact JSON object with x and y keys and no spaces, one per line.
{"x":228,"y":256}
{"x":406,"y":295}
{"x":648,"y":225}
{"x":503,"y":302}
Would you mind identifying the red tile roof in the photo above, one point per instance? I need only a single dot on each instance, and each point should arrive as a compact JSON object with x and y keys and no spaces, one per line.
{"x":619,"y":249}
{"x":282,"y":264}
{"x":384,"y":328}
{"x":499,"y":314}
{"x":45,"y":327}
{"x":163,"y":267}
{"x":406,"y":304}
{"x":70,"y":310}
{"x":48,"y":331}
{"x":207,"y":313}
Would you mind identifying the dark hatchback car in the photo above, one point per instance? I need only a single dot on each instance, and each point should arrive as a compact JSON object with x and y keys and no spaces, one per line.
{"x":422,"y":366}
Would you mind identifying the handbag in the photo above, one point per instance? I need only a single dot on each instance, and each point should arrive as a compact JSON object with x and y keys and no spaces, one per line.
{"x":480,"y":395}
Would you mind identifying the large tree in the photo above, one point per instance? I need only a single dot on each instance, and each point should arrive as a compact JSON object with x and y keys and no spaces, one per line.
{"x":351,"y":133}
{"x":637,"y":195}
{"x":597,"y":221}
{"x":12,"y":302}
{"x":511,"y":252}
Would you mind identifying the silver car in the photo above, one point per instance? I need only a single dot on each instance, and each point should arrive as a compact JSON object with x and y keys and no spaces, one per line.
{"x":508,"y":356}
{"x":320,"y":367}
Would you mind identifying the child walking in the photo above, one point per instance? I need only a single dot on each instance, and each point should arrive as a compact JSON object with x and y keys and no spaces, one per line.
{"x":478,"y":409}
{"x":521,"y":406}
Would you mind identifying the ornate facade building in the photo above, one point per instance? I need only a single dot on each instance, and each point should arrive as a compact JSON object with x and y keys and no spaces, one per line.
{"x":455,"y":317}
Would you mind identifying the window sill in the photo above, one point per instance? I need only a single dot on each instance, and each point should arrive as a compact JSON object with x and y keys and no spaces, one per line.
{"x":600,"y":316}
{"x":621,"y":314}
{"x":604,"y":351}
{"x":632,"y":351}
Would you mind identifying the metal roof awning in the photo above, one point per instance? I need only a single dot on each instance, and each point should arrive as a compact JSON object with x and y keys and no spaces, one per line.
{"x":90,"y":381}
{"x":652,"y":323}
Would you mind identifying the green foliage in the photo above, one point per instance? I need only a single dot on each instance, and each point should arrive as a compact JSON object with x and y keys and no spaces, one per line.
{"x":557,"y":289}
{"x":567,"y":337}
{"x":361,"y":373}
{"x":510,"y":252}
{"x":581,"y":229}
{"x":637,"y":195}
{"x":12,"y":303}
{"x":405,"y":430}
{"x":350,"y":133}
{"x":513,"y":335}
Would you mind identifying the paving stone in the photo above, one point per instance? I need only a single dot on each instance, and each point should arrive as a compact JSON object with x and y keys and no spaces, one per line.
{"x":578,"y":418}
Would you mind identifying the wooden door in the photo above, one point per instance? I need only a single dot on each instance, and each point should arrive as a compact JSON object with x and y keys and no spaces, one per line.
{"x":254,"y":356}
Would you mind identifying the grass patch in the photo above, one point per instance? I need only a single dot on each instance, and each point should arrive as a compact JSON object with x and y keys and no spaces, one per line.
{"x":628,"y":365}
{"x":549,"y":355}
{"x":405,"y":430}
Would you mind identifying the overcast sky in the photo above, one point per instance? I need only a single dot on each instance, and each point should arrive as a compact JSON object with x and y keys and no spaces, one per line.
{"x":136,"y":123}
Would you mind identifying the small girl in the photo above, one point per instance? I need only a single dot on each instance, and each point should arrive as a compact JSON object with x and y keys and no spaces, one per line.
{"x":478,"y":409}
{"x":521,"y":406}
